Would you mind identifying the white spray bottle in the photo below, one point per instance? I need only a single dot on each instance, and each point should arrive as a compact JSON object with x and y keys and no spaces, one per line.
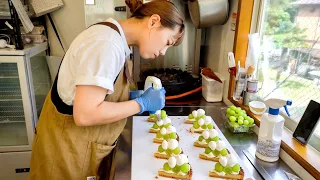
{"x":270,"y":132}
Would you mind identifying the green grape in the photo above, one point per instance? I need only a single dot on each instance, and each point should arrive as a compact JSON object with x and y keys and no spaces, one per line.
{"x":207,"y":150}
{"x":159,"y":135}
{"x":233,"y":124}
{"x":240,"y":118}
{"x":236,"y":168}
{"x":166,"y":167}
{"x":185,"y":168}
{"x":238,"y":110}
{"x":204,"y":126}
{"x":246,"y":122}
{"x":200,"y":138}
{"x":228,"y":170}
{"x":176,"y":151}
{"x":210,"y":126}
{"x":167,"y":125}
{"x":224,"y":152}
{"x":215,"y":138}
{"x":169,"y":151}
{"x":208,"y":140}
{"x":240,"y":121}
{"x":218,"y":167}
{"x":155,"y":126}
{"x":216,"y":153}
{"x":228,"y":115}
{"x":196,"y":125}
{"x":247,"y":117}
{"x":176,"y":169}
{"x":173,"y":135}
{"x":236,"y":115}
{"x":244,"y":112}
{"x":251,"y":121}
{"x":228,"y":110}
{"x":160,"y":149}
{"x":232,"y":118}
{"x":163,"y":114}
{"x":233,"y":107}
{"x":152,"y":116}
{"x":190,"y":116}
{"x":203,"y":116}
{"x":197,"y":118}
{"x":232,"y":112}
{"x":166,"y":136}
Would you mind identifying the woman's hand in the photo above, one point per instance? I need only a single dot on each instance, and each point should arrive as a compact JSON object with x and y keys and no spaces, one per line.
{"x":151,"y":100}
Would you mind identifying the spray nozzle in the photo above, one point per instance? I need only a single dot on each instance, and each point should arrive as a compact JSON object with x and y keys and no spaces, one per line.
{"x":275,"y":105}
{"x":288,"y":103}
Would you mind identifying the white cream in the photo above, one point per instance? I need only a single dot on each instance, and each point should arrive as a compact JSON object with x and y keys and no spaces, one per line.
{"x":220,"y":145}
{"x":172,"y":144}
{"x":172,"y":162}
{"x":195,"y":113}
{"x":213,"y":133}
{"x":205,"y":134}
{"x":159,"y":123}
{"x":163,"y":131}
{"x":166,"y":171}
{"x":171,"y":129}
{"x":207,"y":120}
{"x":182,"y":173}
{"x":166,"y":120}
{"x":212,"y":145}
{"x":201,"y":112}
{"x":192,"y":120}
{"x":232,"y":160}
{"x":164,"y":144}
{"x":202,"y":142}
{"x":210,"y":155}
{"x":223,"y":161}
{"x":235,"y":173}
{"x":220,"y":173}
{"x":171,"y":172}
{"x":154,"y":129}
{"x":201,"y":122}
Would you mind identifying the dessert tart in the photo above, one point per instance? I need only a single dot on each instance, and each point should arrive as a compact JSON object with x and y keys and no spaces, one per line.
{"x":167,"y":149}
{"x":165,"y":122}
{"x":227,"y":168}
{"x":195,"y":116}
{"x":214,"y":151}
{"x":177,"y":167}
{"x":206,"y":136}
{"x":166,"y":134}
{"x":201,"y":125}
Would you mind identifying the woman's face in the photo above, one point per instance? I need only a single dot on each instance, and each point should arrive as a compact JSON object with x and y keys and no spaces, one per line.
{"x":156,"y":39}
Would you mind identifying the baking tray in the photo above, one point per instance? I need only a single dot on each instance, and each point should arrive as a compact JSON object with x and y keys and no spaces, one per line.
{"x":146,"y":166}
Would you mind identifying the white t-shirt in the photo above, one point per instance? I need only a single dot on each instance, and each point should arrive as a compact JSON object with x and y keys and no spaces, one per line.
{"x":95,"y":57}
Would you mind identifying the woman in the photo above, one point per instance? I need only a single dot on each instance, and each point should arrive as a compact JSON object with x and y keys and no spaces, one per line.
{"x":87,"y":107}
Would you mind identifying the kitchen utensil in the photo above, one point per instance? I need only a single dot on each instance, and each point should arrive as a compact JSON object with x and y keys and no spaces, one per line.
{"x":252,"y":86}
{"x":206,"y":13}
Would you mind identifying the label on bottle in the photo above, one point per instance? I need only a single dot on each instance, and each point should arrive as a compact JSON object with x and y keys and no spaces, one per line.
{"x":268,"y":148}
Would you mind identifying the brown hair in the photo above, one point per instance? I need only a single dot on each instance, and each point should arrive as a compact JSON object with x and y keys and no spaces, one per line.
{"x":170,"y":16}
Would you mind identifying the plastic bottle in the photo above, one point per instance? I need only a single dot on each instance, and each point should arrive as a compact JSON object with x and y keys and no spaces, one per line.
{"x":270,"y":133}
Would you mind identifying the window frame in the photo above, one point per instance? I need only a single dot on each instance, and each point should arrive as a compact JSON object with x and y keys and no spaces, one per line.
{"x":247,"y":21}
{"x":256,"y":27}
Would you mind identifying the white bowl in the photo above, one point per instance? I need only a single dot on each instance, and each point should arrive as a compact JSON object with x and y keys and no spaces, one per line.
{"x":257,"y":107}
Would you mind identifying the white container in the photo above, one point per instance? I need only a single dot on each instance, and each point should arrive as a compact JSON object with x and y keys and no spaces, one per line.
{"x":270,"y":132}
{"x":212,"y":90}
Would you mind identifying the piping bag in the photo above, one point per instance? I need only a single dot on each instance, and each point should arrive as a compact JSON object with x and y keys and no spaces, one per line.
{"x":153,"y":82}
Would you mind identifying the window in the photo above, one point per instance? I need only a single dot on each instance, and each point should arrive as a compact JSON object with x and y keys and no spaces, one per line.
{"x":289,"y":65}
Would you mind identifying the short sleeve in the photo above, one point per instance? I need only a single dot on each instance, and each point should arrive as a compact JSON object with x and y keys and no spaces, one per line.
{"x":99,"y":64}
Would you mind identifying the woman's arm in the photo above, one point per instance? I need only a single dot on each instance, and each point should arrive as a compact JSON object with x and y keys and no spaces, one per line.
{"x":90,"y":108}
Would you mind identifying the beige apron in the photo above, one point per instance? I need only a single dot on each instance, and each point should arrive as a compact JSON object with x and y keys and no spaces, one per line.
{"x":62,"y":150}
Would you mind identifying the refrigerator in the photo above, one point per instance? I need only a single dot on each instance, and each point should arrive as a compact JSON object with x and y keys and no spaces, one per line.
{"x":24,"y":84}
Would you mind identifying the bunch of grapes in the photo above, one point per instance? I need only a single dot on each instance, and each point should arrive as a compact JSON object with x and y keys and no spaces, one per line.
{"x":237,"y":117}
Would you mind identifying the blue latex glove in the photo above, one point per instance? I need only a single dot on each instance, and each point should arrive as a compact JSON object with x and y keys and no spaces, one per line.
{"x":151,"y":100}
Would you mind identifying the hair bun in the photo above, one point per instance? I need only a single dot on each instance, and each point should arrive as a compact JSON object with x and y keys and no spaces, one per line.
{"x":134,"y":5}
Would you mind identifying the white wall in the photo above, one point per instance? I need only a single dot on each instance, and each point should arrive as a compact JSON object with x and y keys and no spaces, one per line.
{"x":69,"y":21}
{"x":220,"y":40}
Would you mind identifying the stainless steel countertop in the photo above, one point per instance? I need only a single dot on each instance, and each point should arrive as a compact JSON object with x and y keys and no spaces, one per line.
{"x":239,"y":142}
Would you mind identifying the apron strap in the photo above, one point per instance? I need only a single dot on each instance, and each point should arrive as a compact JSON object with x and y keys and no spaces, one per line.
{"x":57,"y":101}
